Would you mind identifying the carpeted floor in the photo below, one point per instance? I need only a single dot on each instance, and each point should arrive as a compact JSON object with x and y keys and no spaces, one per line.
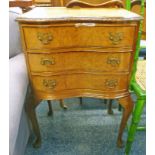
{"x":82,"y":130}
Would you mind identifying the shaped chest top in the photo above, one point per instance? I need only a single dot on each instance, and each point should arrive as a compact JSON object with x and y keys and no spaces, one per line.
{"x":62,"y":14}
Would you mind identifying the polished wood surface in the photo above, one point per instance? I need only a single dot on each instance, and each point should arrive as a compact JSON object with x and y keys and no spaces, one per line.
{"x":57,"y":83}
{"x":80,"y":61}
{"x":25,"y":5}
{"x":20,"y":3}
{"x":67,"y":36}
{"x":42,"y":3}
{"x":58,"y":36}
{"x":74,"y":52}
{"x":65,"y":2}
{"x":109,"y":4}
{"x":57,"y":3}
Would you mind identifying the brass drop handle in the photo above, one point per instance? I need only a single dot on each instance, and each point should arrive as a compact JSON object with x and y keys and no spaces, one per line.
{"x":116,"y":37}
{"x":113,"y":61}
{"x":45,"y":38}
{"x":50,"y":84}
{"x":47,"y":61}
{"x":111,"y":83}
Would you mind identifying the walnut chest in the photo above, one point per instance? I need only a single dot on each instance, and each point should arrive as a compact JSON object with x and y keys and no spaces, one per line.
{"x":75,"y":52}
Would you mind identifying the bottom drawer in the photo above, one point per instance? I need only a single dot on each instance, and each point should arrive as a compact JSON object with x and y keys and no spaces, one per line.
{"x":102,"y":82}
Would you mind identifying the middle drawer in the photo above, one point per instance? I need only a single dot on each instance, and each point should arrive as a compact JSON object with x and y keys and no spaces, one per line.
{"x":79,"y":61}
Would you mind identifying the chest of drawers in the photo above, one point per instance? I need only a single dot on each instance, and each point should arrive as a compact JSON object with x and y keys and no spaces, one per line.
{"x":79,"y":53}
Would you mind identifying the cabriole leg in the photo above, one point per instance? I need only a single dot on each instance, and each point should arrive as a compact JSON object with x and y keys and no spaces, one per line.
{"x":30,"y":109}
{"x":62,"y":105}
{"x":80,"y":100}
{"x":119,"y":107}
{"x":127,"y":104}
{"x":105,"y":101}
{"x":50,"y":112}
{"x":110,"y":111}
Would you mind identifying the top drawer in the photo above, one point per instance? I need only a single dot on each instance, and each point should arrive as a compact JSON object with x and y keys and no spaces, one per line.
{"x":78,"y":36}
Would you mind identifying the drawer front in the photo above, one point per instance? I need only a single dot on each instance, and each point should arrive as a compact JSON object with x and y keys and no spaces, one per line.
{"x":79,"y":37}
{"x":111,"y":83}
{"x":79,"y":61}
{"x":49,"y":84}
